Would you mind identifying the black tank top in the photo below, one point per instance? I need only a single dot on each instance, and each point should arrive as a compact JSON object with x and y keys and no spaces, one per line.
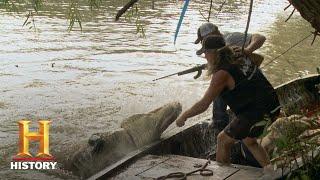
{"x":252,"y":91}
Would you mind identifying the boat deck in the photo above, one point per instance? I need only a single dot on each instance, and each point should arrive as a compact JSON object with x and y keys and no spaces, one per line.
{"x":152,"y":167}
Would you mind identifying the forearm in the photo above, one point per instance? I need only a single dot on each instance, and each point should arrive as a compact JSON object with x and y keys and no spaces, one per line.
{"x":219,"y":81}
{"x":256,"y":42}
{"x":196,"y":109}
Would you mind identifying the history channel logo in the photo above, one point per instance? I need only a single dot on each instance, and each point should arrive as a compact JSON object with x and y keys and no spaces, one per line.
{"x":24,"y":160}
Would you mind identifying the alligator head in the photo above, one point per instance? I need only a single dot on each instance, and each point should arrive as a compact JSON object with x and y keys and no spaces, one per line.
{"x":103,"y":149}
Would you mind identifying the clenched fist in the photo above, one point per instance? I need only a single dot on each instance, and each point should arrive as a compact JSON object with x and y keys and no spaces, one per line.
{"x":181,"y":121}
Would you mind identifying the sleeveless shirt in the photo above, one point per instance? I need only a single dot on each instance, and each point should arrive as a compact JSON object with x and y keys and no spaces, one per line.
{"x":252,"y":92}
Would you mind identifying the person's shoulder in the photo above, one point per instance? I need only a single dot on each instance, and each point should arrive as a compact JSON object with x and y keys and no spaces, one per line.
{"x":234,"y":34}
{"x":236,"y":38}
{"x":221,"y":74}
{"x":221,"y":77}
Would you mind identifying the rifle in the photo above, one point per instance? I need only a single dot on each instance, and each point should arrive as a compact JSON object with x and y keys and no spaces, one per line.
{"x":198,"y":68}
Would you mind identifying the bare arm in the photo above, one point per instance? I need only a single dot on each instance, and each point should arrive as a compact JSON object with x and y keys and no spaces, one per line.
{"x":218,"y":82}
{"x":257,"y":40}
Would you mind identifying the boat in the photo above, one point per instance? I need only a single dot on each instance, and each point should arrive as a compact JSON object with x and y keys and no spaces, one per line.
{"x":181,"y":150}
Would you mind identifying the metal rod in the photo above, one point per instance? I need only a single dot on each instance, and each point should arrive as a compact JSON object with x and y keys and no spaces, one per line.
{"x":165,"y":76}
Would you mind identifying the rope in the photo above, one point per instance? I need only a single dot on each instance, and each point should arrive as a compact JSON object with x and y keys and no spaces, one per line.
{"x":268,"y":63}
{"x":182,"y":176}
{"x":247,"y":27}
{"x":210,"y":11}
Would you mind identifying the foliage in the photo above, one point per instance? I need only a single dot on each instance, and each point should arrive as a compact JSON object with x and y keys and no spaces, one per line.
{"x":292,"y":147}
{"x":36,"y":5}
{"x":311,"y":170}
{"x":8,"y":5}
{"x":30,"y":21}
{"x":134,"y":13}
{"x":73,"y":15}
{"x":94,"y":4}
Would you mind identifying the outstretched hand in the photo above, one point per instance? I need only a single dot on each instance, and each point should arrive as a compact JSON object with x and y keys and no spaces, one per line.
{"x":181,"y":121}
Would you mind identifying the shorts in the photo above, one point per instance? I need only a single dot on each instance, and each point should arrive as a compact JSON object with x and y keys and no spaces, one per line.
{"x":250,"y":124}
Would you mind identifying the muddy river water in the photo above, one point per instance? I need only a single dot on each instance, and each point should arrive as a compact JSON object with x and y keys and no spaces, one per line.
{"x":87,"y":82}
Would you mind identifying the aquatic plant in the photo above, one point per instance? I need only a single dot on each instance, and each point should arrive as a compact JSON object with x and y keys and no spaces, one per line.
{"x":296,"y":145}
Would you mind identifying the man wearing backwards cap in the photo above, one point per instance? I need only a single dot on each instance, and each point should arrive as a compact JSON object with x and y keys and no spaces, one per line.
{"x":253,"y":42}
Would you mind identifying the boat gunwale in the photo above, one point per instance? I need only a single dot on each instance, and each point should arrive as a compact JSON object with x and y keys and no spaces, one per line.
{"x":109,"y":170}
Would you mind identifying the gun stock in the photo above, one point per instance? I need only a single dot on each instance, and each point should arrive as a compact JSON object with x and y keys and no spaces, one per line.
{"x":256,"y":59}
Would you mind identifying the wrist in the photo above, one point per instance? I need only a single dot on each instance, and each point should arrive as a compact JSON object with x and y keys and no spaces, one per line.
{"x":185,"y":115}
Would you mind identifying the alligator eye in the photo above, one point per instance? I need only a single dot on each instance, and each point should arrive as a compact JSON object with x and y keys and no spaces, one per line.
{"x":93,"y":139}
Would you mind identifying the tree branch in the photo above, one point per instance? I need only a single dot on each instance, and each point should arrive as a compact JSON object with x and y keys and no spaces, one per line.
{"x":125,"y":8}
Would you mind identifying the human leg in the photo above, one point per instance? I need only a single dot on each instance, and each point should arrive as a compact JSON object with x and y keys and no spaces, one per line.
{"x":240,"y":128}
{"x":220,"y":117}
{"x":257,"y":151}
{"x":224,"y":145}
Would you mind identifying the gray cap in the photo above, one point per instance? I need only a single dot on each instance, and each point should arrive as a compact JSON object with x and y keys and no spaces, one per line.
{"x":204,"y":30}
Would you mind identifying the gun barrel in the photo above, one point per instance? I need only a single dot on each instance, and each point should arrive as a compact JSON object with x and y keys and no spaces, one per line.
{"x":194,"y":69}
{"x":165,"y":76}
